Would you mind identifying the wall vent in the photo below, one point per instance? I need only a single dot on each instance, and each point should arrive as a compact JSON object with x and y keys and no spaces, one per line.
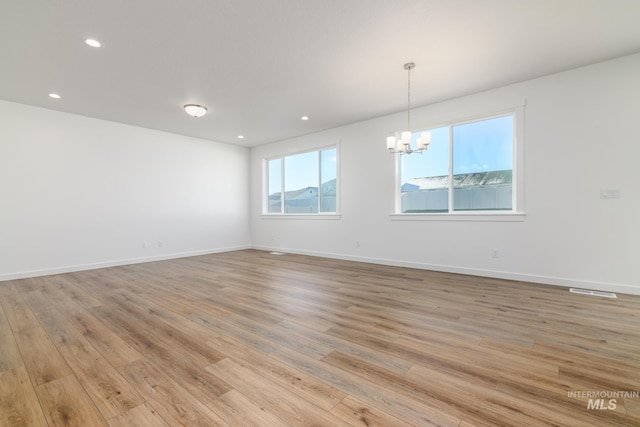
{"x":594,"y":293}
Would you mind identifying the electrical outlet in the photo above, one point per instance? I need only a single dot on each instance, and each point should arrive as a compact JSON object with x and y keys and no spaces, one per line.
{"x":495,"y":254}
{"x":160,"y":243}
{"x":357,"y":243}
{"x":144,"y":244}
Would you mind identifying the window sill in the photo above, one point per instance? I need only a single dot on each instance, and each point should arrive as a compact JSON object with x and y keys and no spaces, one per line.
{"x":461,"y":216}
{"x":321,"y":216}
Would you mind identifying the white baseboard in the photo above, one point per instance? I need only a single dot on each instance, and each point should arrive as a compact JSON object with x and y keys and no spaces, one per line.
{"x":546,"y":280}
{"x":115,"y":263}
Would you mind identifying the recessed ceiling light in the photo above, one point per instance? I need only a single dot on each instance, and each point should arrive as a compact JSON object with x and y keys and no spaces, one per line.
{"x":240,"y":136}
{"x":93,"y":43}
{"x":54,"y":96}
{"x":304,"y":118}
{"x":195,"y":110}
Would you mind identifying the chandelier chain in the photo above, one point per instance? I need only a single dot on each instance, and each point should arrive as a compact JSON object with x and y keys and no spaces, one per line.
{"x":409,"y":98}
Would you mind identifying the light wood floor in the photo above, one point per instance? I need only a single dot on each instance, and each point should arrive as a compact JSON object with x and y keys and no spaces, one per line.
{"x":249,"y":338}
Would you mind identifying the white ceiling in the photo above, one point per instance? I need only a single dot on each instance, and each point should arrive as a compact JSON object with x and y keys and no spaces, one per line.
{"x":259,"y":65}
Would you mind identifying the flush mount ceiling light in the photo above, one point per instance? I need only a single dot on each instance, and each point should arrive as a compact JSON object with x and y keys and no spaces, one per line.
{"x":304,"y":118}
{"x":195,"y":110}
{"x":93,"y":43}
{"x":403,"y":145}
{"x":54,"y":96}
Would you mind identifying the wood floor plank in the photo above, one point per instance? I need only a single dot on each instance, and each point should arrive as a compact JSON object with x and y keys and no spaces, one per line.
{"x":406,"y":385}
{"x":335,"y":317}
{"x":394,"y":363}
{"x":149,"y":302}
{"x":184,"y":369}
{"x":565,"y":356}
{"x":240,"y":308}
{"x":633,"y":407}
{"x":174,"y":403}
{"x":17,"y":312}
{"x":65,"y":403}
{"x":68,"y":286}
{"x":19,"y":406}
{"x":42,"y":359}
{"x":386,"y":399}
{"x":9,"y":353}
{"x":106,"y":387}
{"x":140,"y":416}
{"x":238,"y":410}
{"x":509,"y":408}
{"x":139,"y":314}
{"x":284,"y":404}
{"x":250,"y":338}
{"x":185,"y":305}
{"x":473,"y":357}
{"x":105,"y":341}
{"x":485,"y":405}
{"x":357,"y":413}
{"x":223,"y":328}
{"x":278,"y":336}
{"x":557,"y":400}
{"x":58,"y":328}
{"x":584,"y":380}
{"x":318,"y":392}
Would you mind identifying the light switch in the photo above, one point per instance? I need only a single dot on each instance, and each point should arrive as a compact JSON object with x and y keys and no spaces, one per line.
{"x":609,"y":193}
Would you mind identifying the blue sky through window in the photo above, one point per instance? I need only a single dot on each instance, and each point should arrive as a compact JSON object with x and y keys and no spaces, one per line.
{"x":328,"y":165}
{"x":481,"y":146}
{"x":433,"y":162}
{"x":301,"y":170}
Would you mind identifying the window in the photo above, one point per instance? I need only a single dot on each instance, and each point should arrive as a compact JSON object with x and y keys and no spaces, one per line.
{"x":469,"y":167}
{"x":302,"y":183}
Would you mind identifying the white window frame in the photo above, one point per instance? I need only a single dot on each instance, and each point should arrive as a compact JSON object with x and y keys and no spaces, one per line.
{"x":282,"y":214}
{"x":517,"y":213}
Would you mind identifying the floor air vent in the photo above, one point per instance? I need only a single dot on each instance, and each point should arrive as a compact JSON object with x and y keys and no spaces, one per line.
{"x":594,"y":293}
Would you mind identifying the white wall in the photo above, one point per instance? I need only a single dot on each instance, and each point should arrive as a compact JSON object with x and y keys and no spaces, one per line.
{"x":77,"y":192}
{"x":580,"y":136}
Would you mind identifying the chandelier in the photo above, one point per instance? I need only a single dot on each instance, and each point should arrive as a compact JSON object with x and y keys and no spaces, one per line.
{"x":403,"y":145}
